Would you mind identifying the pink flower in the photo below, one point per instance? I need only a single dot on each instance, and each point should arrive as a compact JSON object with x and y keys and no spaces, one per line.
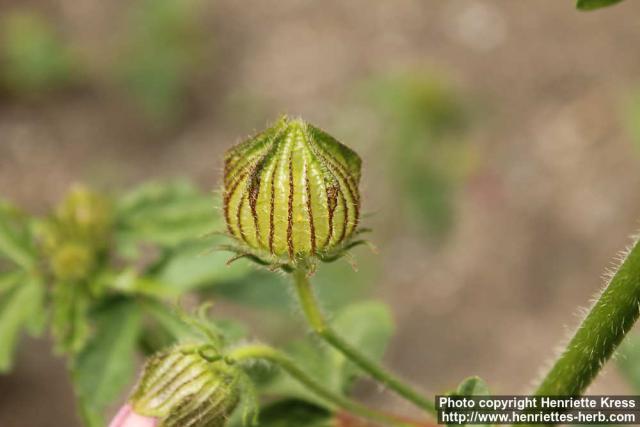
{"x":127,"y":418}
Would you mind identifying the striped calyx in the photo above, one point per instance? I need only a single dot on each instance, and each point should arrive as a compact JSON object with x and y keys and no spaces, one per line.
{"x":291,"y":192}
{"x":180,"y":388}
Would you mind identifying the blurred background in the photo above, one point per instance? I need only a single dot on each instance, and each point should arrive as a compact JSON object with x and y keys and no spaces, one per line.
{"x":501,"y":147}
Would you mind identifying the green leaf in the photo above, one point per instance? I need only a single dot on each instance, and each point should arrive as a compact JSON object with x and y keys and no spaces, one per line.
{"x":106,"y":365}
{"x":367,"y":326}
{"x":169,"y":320}
{"x":595,"y":4}
{"x":91,"y":417}
{"x":290,"y":413}
{"x":473,"y":386}
{"x":162,"y":50}
{"x":263,"y":289}
{"x":258,"y":289}
{"x":21,"y":306}
{"x":628,"y":360}
{"x":15,"y":236}
{"x":313,"y":358}
{"x":131,"y":282}
{"x":294,"y":413}
{"x":166,"y":214}
{"x":198,"y":266}
{"x":35,"y":57}
{"x":426,"y":143}
{"x":8,"y":280}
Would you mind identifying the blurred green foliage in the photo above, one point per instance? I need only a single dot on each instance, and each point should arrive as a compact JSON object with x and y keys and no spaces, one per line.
{"x":103,"y":269}
{"x":595,"y":4}
{"x":366,"y":325}
{"x":292,"y":413}
{"x":91,"y":264}
{"x":104,"y":367}
{"x":472,"y":386}
{"x":21,"y":286}
{"x":160,"y":50}
{"x":162,"y":47}
{"x":628,"y":361}
{"x":35,"y":58}
{"x":424,"y":123}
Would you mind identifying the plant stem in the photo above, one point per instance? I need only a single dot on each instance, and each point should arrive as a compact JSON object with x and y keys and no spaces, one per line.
{"x":609,"y":320}
{"x":320,"y":326}
{"x":264,"y":352}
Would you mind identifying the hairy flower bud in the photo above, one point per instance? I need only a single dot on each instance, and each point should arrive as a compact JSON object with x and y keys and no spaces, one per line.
{"x":180,"y":388}
{"x":292,"y":191}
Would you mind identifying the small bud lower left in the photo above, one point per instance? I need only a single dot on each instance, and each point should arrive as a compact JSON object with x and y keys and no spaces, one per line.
{"x":179,"y":387}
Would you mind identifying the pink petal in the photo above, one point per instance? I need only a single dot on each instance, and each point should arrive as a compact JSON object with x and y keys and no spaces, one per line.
{"x":127,"y":418}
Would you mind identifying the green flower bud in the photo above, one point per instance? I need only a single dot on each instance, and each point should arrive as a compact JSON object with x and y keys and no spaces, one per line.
{"x":72,"y":261}
{"x":292,"y":191}
{"x":85,"y":215}
{"x":76,"y":235}
{"x":180,"y":388}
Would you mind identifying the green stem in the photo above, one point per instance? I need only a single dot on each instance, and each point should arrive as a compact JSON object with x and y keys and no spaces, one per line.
{"x":609,"y":320}
{"x":320,"y":326}
{"x":265,"y":352}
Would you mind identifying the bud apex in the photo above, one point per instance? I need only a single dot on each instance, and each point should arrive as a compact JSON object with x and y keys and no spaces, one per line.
{"x":292,"y":191}
{"x":180,"y":388}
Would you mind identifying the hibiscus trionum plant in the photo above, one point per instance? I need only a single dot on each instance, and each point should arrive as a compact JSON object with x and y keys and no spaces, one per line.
{"x":106,"y":276}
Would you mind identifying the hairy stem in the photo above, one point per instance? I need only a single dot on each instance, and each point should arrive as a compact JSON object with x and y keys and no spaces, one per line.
{"x":270,"y":354}
{"x":609,"y":320}
{"x":320,"y":326}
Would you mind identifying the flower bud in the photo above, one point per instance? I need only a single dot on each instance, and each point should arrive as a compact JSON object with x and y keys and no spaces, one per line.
{"x":292,"y":191}
{"x":72,"y":261}
{"x":74,"y":238}
{"x":180,"y":388}
{"x":85,"y":215}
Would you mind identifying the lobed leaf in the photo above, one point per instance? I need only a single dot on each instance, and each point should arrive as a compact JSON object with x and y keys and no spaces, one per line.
{"x":21,"y":306}
{"x":368,"y":326}
{"x":15,"y":237}
{"x":106,"y":364}
{"x":197,"y":266}
{"x":166,"y":214}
